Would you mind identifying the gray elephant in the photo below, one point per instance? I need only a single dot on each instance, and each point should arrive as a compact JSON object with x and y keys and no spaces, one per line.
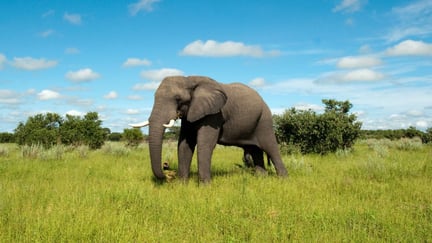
{"x":211,"y":113}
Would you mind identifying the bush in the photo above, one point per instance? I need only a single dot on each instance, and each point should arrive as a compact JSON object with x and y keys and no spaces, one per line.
{"x":133,"y":136}
{"x":333,"y":130}
{"x":50,"y":129}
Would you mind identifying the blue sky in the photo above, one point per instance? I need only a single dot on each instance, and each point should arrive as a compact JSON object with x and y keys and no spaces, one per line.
{"x":72,"y":57}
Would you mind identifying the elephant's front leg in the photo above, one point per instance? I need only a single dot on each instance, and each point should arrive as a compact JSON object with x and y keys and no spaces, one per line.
{"x":207,"y":139}
{"x":185,"y":150}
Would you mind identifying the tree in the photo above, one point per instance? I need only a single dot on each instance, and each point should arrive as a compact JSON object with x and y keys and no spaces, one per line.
{"x":133,"y":136}
{"x":39,"y":129}
{"x":319,"y":133}
{"x":76,"y":130}
{"x":6,"y":137}
{"x":50,"y":128}
{"x":115,"y":136}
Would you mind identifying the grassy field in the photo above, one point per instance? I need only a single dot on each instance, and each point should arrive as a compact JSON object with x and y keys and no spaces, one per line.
{"x":380,"y":191}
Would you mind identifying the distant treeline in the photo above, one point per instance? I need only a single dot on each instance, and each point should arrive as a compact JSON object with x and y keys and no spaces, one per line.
{"x":396,"y":134}
{"x":303,"y":130}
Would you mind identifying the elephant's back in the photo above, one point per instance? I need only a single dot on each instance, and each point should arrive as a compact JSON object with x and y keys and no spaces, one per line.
{"x":243,"y":102}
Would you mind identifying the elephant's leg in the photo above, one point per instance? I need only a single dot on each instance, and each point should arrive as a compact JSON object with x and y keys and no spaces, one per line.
{"x":247,"y":158}
{"x":270,"y":146}
{"x":272,"y":150}
{"x":207,"y":139}
{"x":185,"y":150}
{"x":258,"y":159}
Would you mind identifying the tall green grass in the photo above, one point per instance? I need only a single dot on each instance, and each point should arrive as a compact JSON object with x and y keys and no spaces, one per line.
{"x":109,"y":195}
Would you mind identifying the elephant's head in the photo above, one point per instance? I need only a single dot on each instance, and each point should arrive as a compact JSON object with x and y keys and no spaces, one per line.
{"x":189,"y":98}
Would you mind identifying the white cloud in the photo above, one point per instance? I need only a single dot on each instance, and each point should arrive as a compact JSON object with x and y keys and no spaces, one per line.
{"x":422,"y":124}
{"x":82,"y":75}
{"x":133,"y":62}
{"x":358,"y":62}
{"x":132,"y":111}
{"x":111,"y":95}
{"x":158,"y":74}
{"x":9,"y":97}
{"x":410,"y":48}
{"x":32,"y":64}
{"x":75,"y":113}
{"x":2,"y":60}
{"x":362,"y":75}
{"x":305,"y":107}
{"x":412,"y":19}
{"x":72,"y":18}
{"x":213,"y":48}
{"x":47,"y":94}
{"x":348,"y":6}
{"x":257,"y":82}
{"x":142,"y":5}
{"x":146,"y":86}
{"x":365,"y":49}
{"x":356,"y":75}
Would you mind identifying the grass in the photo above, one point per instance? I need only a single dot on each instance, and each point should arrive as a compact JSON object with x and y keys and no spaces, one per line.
{"x":380,"y":191}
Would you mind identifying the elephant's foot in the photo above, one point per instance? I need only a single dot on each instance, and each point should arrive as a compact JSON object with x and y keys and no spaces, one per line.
{"x":282,"y":172}
{"x":260,"y":171}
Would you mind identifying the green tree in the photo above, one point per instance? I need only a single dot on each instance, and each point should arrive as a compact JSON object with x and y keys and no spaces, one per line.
{"x":6,"y":137}
{"x":319,"y":133}
{"x":76,"y":131}
{"x":39,"y":129}
{"x":115,"y":136}
{"x":132,"y":136}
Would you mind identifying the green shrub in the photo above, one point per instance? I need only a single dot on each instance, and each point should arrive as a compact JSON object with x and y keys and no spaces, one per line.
{"x":333,"y":130}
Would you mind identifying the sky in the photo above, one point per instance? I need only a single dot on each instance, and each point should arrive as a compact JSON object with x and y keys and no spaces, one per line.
{"x":73,"y":57}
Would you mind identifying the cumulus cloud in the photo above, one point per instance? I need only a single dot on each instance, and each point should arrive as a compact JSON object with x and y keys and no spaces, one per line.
{"x":158,"y":74}
{"x":111,"y":95}
{"x":134,"y":62}
{"x":72,"y":18}
{"x":155,"y":77}
{"x":356,"y":75}
{"x":32,"y":64}
{"x":132,"y":111}
{"x":47,"y":94}
{"x":410,"y":48}
{"x":358,"y":62}
{"x":142,"y":5}
{"x":257,"y":82}
{"x":82,"y":75}
{"x":348,"y":6}
{"x":212,"y":48}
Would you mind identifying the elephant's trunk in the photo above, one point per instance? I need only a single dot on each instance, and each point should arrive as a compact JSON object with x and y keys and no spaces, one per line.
{"x":156,"y":132}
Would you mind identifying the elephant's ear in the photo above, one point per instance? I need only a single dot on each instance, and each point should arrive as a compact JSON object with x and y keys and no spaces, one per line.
{"x":207,"y":99}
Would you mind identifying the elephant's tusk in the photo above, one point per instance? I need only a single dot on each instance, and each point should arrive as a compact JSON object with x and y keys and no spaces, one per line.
{"x":170,"y":124}
{"x":138,"y":125}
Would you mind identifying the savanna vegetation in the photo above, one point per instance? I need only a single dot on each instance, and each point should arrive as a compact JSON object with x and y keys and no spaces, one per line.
{"x":65,"y":180}
{"x":377,"y":191}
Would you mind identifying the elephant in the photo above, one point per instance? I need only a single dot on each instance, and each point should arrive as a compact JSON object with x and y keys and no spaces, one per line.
{"x":211,"y":113}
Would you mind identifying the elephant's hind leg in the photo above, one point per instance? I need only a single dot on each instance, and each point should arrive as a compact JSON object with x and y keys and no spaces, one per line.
{"x":257,"y":158}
